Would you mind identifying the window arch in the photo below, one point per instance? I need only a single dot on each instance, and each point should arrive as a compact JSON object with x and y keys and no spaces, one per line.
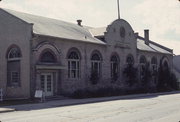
{"x":13,"y":66}
{"x":48,"y":57}
{"x":73,"y":64}
{"x":14,"y":53}
{"x":130,"y":60}
{"x":96,"y":62}
{"x":114,"y":67}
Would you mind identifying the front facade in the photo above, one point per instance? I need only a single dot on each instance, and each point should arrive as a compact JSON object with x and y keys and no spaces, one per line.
{"x":60,"y":58}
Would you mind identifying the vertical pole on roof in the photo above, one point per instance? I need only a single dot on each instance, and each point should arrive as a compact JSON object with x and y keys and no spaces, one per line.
{"x":118,"y":9}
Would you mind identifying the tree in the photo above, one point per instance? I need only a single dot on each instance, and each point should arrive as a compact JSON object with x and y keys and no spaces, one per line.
{"x":166,"y":79}
{"x":94,"y":77}
{"x":131,"y":74}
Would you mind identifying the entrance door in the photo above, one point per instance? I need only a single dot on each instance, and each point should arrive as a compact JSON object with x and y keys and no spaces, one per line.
{"x":47,"y":83}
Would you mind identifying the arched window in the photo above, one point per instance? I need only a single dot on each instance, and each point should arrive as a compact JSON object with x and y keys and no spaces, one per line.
{"x":114,"y":67}
{"x":95,"y":67}
{"x":48,"y":57}
{"x":73,"y":65}
{"x":154,"y":69}
{"x":13,"y":66}
{"x":142,"y":67}
{"x":154,"y":64}
{"x":165,"y":64}
{"x":130,"y":60}
{"x":14,"y":53}
{"x":143,"y":60}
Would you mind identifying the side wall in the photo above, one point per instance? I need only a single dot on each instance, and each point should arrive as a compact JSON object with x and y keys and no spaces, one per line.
{"x":14,"y":31}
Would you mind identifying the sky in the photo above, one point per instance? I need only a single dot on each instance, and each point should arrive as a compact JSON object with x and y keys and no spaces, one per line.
{"x":161,"y":17}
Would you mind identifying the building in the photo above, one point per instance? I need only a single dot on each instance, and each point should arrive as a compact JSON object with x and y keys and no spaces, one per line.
{"x":61,"y":57}
{"x":176,"y":69}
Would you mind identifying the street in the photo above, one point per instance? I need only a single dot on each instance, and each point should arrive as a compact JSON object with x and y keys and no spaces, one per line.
{"x":163,"y":108}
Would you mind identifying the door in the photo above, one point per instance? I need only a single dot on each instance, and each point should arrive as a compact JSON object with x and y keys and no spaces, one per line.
{"x":47,"y":83}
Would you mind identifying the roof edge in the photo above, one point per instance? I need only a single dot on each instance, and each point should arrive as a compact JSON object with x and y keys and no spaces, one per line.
{"x":4,"y":10}
{"x":159,"y":45}
{"x":70,"y":39}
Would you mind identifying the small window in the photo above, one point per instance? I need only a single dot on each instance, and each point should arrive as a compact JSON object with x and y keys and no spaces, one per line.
{"x":122,"y":32}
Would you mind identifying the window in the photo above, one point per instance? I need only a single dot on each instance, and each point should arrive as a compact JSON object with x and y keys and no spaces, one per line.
{"x":15,"y":77}
{"x":154,"y":64}
{"x":48,"y":57}
{"x":96,"y":64}
{"x":122,"y":32}
{"x":13,"y":66}
{"x":95,"y":67}
{"x":130,"y":60}
{"x":142,"y":67}
{"x":14,"y":53}
{"x":73,"y":65}
{"x":114,"y":67}
{"x":154,"y":70}
{"x":165,"y":65}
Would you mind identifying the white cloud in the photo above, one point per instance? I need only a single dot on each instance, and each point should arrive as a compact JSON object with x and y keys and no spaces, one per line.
{"x":161,"y":17}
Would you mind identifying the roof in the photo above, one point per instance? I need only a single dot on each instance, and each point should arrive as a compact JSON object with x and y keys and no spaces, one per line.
{"x":98,"y":31}
{"x":152,"y":47}
{"x":65,"y":30}
{"x":56,"y":28}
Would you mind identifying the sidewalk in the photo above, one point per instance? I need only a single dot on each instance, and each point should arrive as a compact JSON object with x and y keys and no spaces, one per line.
{"x":3,"y":110}
{"x":68,"y":102}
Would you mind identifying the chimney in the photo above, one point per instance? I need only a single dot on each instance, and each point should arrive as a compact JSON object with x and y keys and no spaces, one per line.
{"x":146,"y":36}
{"x":79,"y":22}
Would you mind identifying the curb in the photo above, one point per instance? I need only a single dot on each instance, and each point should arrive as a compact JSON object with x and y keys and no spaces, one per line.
{"x":5,"y":110}
{"x":94,"y":100}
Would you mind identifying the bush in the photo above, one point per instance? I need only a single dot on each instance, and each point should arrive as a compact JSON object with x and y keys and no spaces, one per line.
{"x":107,"y":91}
{"x":130,"y":74}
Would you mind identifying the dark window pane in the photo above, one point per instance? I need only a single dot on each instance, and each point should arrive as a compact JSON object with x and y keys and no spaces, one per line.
{"x":73,"y":55}
{"x":95,"y":57}
{"x":48,"y":57}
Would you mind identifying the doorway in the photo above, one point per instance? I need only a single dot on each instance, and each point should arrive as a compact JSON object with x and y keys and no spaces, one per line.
{"x":47,"y":83}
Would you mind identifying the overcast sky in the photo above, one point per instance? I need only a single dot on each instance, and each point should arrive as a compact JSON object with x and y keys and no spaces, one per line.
{"x":162,"y":17}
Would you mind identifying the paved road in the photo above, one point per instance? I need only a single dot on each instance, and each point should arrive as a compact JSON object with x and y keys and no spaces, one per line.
{"x":164,"y":108}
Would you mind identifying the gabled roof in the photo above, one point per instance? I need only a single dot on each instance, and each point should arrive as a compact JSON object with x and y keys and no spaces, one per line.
{"x":152,"y":47}
{"x":56,"y":28}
